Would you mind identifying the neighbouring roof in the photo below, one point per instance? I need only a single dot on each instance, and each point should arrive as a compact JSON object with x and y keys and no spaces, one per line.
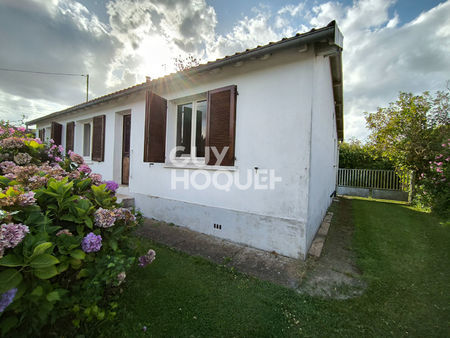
{"x":329,"y":40}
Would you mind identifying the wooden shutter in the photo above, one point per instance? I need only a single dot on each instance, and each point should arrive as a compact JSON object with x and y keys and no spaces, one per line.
{"x":155,"y":128}
{"x":98,"y":138}
{"x":56,"y":133}
{"x":42,"y":134}
{"x":221,"y":124}
{"x":70,"y":133}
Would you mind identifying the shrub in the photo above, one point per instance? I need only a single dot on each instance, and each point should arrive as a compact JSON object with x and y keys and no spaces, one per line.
{"x":355,"y":155}
{"x":64,"y":240}
{"x":434,"y":184}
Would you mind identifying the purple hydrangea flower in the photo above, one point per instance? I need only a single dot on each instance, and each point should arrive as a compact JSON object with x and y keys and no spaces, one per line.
{"x":111,"y":186}
{"x":11,"y":235}
{"x":7,"y":298}
{"x":148,"y":258}
{"x":27,"y":198}
{"x":91,"y":243}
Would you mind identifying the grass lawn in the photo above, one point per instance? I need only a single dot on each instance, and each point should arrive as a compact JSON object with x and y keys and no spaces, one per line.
{"x":403,"y":254}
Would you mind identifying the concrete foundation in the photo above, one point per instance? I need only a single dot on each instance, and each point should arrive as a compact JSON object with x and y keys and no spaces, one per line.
{"x":281,"y":235}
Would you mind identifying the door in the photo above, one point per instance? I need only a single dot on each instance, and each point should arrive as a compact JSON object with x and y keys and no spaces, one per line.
{"x":126,"y":149}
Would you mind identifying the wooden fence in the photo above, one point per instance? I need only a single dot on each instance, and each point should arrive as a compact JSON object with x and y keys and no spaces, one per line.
{"x":373,"y":179}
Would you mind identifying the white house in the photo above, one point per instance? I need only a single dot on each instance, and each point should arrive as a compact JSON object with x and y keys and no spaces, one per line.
{"x":257,"y":134}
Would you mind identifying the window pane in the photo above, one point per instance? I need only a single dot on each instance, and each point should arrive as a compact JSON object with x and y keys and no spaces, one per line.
{"x":200,"y":133}
{"x":87,"y":139}
{"x":184,"y":120}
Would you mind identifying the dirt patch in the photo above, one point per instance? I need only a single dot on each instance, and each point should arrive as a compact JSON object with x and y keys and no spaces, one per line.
{"x":334,"y":274}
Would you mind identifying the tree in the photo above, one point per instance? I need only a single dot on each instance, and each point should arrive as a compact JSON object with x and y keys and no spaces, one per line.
{"x":186,"y":62}
{"x":414,"y":133}
{"x":410,"y":130}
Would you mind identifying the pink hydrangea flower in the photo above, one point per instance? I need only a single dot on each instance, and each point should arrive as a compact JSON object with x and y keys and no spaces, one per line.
{"x":84,"y":168}
{"x":96,"y":178}
{"x":74,"y":157}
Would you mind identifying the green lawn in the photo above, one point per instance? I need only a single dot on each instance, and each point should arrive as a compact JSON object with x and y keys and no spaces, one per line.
{"x":403,"y":253}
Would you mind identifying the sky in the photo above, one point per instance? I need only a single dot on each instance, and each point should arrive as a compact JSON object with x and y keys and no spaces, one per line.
{"x":389,"y":46}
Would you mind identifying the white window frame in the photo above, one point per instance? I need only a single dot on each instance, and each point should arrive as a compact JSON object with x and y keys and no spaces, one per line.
{"x":47,"y":133}
{"x":88,"y":157}
{"x":194,"y":101}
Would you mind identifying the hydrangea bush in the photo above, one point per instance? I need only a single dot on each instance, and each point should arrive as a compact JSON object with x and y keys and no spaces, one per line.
{"x":434,"y":185}
{"x":65,"y":242}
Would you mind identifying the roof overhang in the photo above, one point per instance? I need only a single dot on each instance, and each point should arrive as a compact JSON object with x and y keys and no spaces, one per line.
{"x":328,"y":39}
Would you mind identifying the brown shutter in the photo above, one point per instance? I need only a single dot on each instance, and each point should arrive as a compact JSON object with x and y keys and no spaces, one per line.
{"x":56,"y":133}
{"x":221,"y":124}
{"x":98,"y":138}
{"x":42,"y":134}
{"x":155,"y":128}
{"x":70,"y":132}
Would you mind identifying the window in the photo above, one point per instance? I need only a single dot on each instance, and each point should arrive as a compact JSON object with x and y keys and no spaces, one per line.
{"x":191,"y":129}
{"x":202,"y":125}
{"x":86,"y":139}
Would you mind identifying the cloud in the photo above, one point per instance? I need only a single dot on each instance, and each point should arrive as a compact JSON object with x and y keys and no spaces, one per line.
{"x":59,"y":36}
{"x":382,"y":57}
{"x":152,"y":33}
{"x":260,"y":29}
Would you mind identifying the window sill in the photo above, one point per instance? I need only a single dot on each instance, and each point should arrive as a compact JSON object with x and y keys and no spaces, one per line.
{"x":199,"y":166}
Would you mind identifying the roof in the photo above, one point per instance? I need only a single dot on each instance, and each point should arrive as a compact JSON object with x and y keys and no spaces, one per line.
{"x":330,"y":35}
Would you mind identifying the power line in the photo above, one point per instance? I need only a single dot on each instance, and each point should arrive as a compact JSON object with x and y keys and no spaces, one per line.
{"x":36,"y":72}
{"x":50,"y":73}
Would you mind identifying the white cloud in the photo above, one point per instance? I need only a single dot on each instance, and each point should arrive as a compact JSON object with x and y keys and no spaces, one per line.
{"x":152,"y":33}
{"x":382,"y":57}
{"x":50,"y":36}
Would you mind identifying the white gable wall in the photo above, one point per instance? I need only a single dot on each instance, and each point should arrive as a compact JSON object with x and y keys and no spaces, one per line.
{"x":324,"y":159}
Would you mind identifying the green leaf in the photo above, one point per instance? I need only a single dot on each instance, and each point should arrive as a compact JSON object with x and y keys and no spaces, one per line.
{"x":7,"y":324}
{"x":46,"y":273}
{"x":38,"y":291}
{"x":75,"y":263}
{"x":4,"y":181}
{"x":78,"y":254}
{"x":9,"y":279}
{"x":101,"y":315}
{"x":82,"y":273}
{"x":70,"y":218}
{"x":88,"y":222}
{"x":11,"y":260}
{"x":62,"y":267}
{"x":53,"y":296}
{"x":43,"y":261}
{"x":41,"y":248}
{"x":113,"y":244}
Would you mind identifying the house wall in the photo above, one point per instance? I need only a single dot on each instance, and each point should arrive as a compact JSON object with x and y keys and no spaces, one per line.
{"x":324,"y":150}
{"x":274,"y":101}
{"x":111,"y":167}
{"x":273,"y":132}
